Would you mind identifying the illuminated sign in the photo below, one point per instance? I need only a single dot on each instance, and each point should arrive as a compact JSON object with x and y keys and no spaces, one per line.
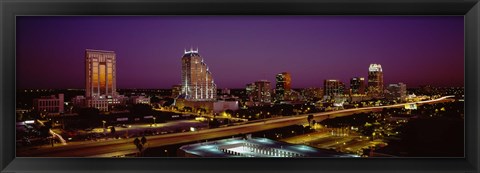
{"x":412,"y":106}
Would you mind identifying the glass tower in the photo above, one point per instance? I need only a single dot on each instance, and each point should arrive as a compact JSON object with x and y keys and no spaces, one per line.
{"x":197,"y":81}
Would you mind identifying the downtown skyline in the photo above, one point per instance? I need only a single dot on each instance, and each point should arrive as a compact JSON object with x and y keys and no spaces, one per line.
{"x":416,"y":50}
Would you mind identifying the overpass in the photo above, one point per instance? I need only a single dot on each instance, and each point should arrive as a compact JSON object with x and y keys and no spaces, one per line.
{"x":109,"y":148}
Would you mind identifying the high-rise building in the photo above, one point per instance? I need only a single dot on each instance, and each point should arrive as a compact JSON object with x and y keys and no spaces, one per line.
{"x":100,"y":78}
{"x":283,"y":86}
{"x":357,"y":85}
{"x":197,"y":81}
{"x":262,"y":91}
{"x":333,"y":87}
{"x":397,"y":92}
{"x":375,"y":80}
{"x":259,"y":91}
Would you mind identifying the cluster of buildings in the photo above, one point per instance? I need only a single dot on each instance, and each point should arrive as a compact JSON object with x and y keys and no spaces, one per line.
{"x":333,"y":89}
{"x":199,"y":91}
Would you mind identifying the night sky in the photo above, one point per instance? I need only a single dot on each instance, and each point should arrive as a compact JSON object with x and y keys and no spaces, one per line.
{"x":415,"y":50}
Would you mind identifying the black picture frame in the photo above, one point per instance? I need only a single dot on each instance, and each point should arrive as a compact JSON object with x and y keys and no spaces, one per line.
{"x":11,"y":8}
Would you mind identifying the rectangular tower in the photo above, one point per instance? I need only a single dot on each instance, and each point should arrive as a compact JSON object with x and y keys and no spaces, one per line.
{"x":100,"y":78}
{"x":283,"y":86}
{"x":375,"y":80}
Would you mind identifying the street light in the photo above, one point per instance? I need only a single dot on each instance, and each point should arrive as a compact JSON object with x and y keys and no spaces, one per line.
{"x":104,"y":129}
{"x":154,"y":124}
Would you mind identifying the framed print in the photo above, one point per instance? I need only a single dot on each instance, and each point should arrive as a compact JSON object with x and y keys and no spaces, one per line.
{"x":281,"y":86}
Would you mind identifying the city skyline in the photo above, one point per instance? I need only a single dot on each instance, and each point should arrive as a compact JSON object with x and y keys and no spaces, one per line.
{"x":412,"y":50}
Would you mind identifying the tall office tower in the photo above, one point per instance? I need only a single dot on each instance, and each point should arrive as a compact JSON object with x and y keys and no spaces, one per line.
{"x":262,"y":91}
{"x":197,"y":81}
{"x":283,"y":85}
{"x":375,"y":80}
{"x":333,"y":87}
{"x":100,"y":78}
{"x":357,"y":85}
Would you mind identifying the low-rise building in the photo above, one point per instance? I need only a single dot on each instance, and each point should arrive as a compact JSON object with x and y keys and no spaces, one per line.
{"x":139,"y":100}
{"x":51,"y":104}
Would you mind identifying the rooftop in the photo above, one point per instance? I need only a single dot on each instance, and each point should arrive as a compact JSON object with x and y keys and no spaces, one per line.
{"x":256,"y":147}
{"x":94,"y":50}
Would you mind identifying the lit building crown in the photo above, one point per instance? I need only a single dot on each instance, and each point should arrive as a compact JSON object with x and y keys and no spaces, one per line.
{"x":190,"y":51}
{"x":375,"y":67}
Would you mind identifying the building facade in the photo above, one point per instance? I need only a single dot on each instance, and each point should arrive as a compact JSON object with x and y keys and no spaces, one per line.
{"x":312,"y":93}
{"x":333,"y":87}
{"x":210,"y":107}
{"x":397,"y":92}
{"x":250,"y":91}
{"x":259,"y":91}
{"x":50,"y":104}
{"x":139,"y":100}
{"x":100,"y":79}
{"x":283,"y":86}
{"x":263,"y":91}
{"x":357,"y":85}
{"x":375,"y":80}
{"x":197,"y":80}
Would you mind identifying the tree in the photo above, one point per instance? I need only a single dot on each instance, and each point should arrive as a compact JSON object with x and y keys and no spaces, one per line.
{"x":309,"y":118}
{"x":229,"y":112}
{"x":154,"y":99}
{"x":214,"y":123}
{"x":168,"y":101}
{"x":141,"y":109}
{"x":89,"y":112}
{"x":112,"y":130}
{"x":187,"y":109}
{"x":136,"y":142}
{"x":313,"y":123}
{"x":143,"y":140}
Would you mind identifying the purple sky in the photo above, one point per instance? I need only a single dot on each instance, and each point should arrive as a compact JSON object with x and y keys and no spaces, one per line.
{"x":415,"y":50}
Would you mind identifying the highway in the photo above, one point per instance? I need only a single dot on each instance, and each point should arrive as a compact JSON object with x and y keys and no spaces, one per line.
{"x":112,"y":147}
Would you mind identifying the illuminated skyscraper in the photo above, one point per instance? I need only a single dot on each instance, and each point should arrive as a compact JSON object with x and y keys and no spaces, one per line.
{"x":357,"y":85}
{"x":100,"y":78}
{"x":283,"y":85}
{"x":197,"y":81}
{"x":375,"y":80}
